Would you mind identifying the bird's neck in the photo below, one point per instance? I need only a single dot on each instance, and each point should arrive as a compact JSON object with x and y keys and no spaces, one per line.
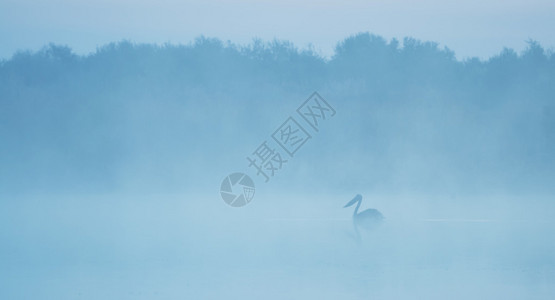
{"x":356,"y":209}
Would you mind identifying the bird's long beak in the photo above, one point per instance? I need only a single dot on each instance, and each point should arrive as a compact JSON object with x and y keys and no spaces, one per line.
{"x":355,"y":200}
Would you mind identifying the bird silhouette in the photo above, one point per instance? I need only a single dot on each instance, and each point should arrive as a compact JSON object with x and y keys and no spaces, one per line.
{"x":366,"y":220}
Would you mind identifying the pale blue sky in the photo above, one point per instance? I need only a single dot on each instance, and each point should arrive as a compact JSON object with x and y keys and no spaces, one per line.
{"x":470,"y":28}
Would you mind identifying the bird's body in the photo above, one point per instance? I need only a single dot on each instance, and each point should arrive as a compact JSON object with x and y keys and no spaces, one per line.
{"x":367,"y":219}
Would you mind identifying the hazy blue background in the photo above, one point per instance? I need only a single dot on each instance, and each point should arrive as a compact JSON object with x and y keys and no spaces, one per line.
{"x":411,"y":117}
{"x":113,"y":145}
{"x":472,"y":28}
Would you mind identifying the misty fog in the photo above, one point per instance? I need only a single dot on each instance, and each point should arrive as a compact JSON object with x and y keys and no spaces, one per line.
{"x":111,"y":165}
